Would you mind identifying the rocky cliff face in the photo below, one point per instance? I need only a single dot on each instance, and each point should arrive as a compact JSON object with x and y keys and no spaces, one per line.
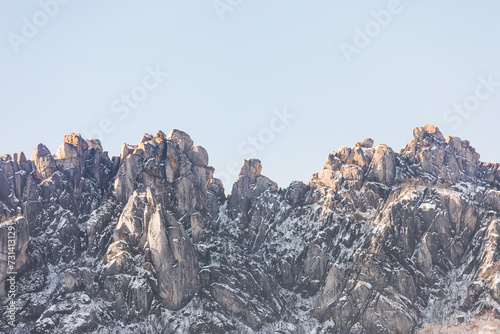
{"x":148,"y":242}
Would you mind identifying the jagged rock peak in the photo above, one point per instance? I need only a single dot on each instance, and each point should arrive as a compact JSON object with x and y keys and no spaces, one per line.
{"x":43,"y":162}
{"x":77,"y":141}
{"x":146,"y":138}
{"x":94,"y":144}
{"x":73,"y":149}
{"x":40,"y":151}
{"x":429,"y":155}
{"x":351,"y":166}
{"x":181,"y":139}
{"x":250,"y":184}
{"x":251,"y":168}
{"x":19,"y":157}
{"x":419,"y":133}
{"x":177,"y":173}
{"x":448,"y":159}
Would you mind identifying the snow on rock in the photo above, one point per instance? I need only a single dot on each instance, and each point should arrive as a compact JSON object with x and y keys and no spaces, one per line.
{"x":147,"y":242}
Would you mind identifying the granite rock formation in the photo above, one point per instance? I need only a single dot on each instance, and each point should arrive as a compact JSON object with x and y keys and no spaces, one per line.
{"x":148,"y":241}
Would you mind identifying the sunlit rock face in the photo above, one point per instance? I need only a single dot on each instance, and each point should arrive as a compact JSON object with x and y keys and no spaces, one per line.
{"x":149,"y":242}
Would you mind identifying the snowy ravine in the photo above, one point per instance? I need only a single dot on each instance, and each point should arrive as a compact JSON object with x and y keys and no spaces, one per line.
{"x":149,"y":242}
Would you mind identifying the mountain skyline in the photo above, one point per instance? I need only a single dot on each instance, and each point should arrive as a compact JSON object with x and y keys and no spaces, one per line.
{"x":250,"y":146}
{"x":221,"y":80}
{"x":150,"y":242}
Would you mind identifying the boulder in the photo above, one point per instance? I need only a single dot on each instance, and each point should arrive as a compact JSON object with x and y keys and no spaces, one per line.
{"x":77,"y":141}
{"x":330,"y":179}
{"x":332,"y":162}
{"x":67,"y":156}
{"x":367,"y":143}
{"x":181,"y":139}
{"x":419,"y":133}
{"x":343,"y":154}
{"x":95,"y":144}
{"x":198,"y":156}
{"x":352,"y":173}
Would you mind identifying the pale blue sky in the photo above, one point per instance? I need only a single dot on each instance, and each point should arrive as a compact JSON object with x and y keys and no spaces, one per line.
{"x":226,"y":77}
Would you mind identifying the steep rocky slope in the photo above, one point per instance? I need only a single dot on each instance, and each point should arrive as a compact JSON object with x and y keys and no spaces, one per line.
{"x":148,"y":242}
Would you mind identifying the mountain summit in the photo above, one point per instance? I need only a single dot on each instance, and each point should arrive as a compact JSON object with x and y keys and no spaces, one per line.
{"x":148,"y":242}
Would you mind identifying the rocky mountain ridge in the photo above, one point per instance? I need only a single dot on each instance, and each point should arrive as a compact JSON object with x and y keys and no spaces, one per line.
{"x":148,"y":242}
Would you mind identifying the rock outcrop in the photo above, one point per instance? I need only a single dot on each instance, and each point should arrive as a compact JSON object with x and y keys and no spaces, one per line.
{"x":250,"y":184}
{"x":449,"y":159}
{"x":145,"y":228}
{"x":148,"y":241}
{"x":174,"y":259}
{"x":43,"y":162}
{"x":383,"y":165}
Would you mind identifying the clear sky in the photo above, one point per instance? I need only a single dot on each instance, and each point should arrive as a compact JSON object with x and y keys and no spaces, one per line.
{"x":336,"y":72}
